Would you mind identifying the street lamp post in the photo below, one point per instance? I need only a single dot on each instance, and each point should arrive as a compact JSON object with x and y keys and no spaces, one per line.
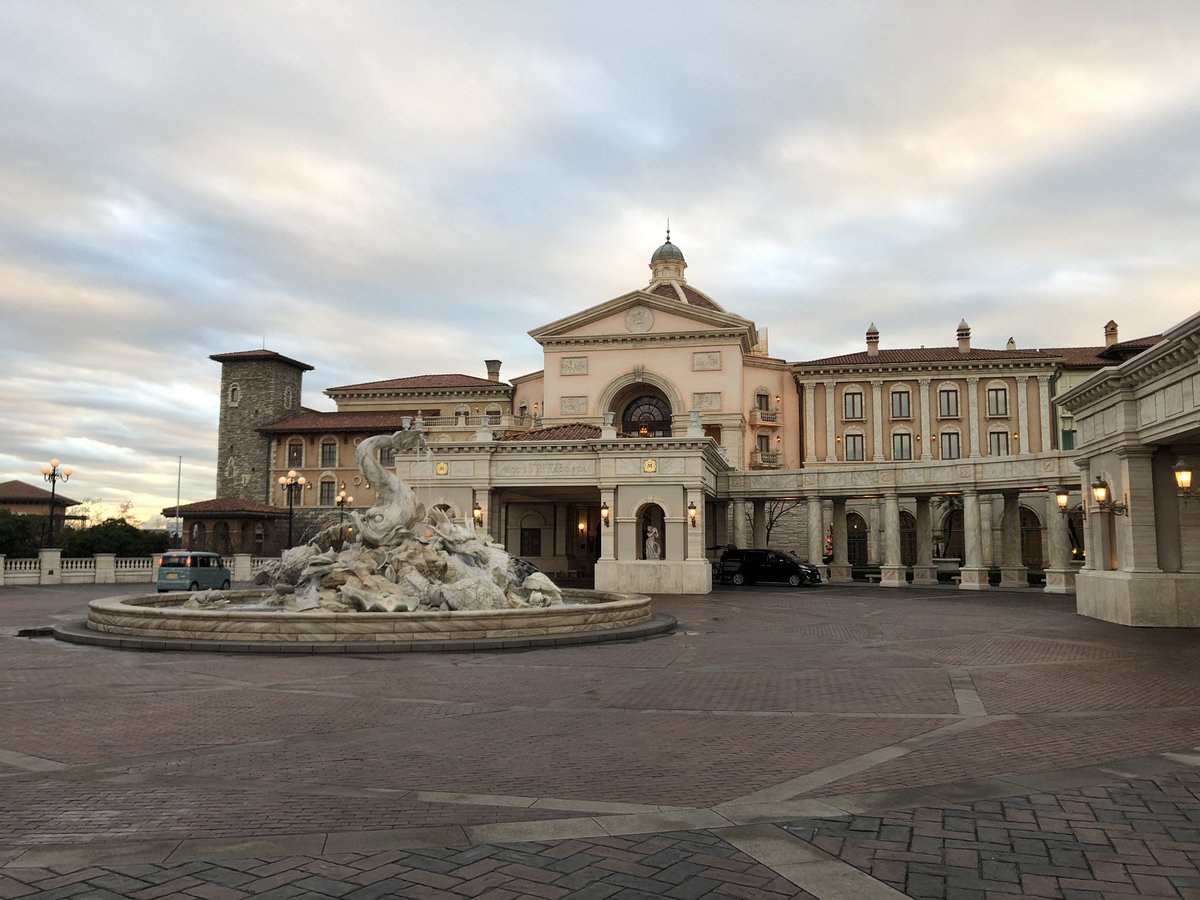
{"x":54,"y":473}
{"x":342,"y":502}
{"x":292,"y":485}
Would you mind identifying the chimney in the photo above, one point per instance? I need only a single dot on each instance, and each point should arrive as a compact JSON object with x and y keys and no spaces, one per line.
{"x":964,"y":337}
{"x":872,"y":340}
{"x":493,"y":367}
{"x":1012,"y":345}
{"x":1110,"y":333}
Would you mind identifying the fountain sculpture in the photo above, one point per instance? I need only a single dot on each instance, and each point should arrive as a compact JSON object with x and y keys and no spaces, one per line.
{"x":403,"y":558}
{"x":409,"y":579}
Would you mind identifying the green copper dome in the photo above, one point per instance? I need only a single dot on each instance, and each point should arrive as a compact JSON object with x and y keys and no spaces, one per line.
{"x":666,"y":252}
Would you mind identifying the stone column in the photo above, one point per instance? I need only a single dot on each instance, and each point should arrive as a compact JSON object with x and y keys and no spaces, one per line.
{"x":50,"y":566}
{"x":830,"y":424}
{"x":874,"y":531}
{"x":926,"y":450}
{"x":608,"y":543}
{"x":809,"y":399}
{"x":760,"y":523}
{"x":987,"y":536}
{"x":816,"y":533}
{"x":974,"y":573}
{"x":839,"y":568}
{"x":1137,"y":541}
{"x":1048,"y":439}
{"x":924,"y":571}
{"x":1012,"y":573}
{"x":973,"y":414}
{"x":741,"y":537}
{"x":1022,"y":414}
{"x":892,"y":571}
{"x":877,"y":419}
{"x":1060,"y":576}
{"x":106,"y":568}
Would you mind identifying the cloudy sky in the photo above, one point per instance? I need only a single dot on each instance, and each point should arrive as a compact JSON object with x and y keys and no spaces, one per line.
{"x":388,"y":189}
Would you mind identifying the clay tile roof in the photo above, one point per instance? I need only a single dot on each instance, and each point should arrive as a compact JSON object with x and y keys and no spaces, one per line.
{"x":20,"y":492}
{"x":1098,"y":357}
{"x":309,"y":420}
{"x":418,"y":382}
{"x":575,"y":431}
{"x":924,"y":354}
{"x":260,"y":354}
{"x":225,"y":506}
{"x":685,"y":294}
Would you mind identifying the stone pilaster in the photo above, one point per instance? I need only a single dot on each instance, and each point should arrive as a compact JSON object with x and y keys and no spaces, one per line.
{"x":892,"y":571}
{"x":973,"y":572}
{"x":839,"y":569}
{"x":1012,"y":573}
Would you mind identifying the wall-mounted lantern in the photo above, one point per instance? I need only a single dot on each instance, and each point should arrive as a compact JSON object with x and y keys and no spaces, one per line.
{"x":604,"y":514}
{"x":1103,"y":497}
{"x":477,"y":514}
{"x":692,"y":513}
{"x":1183,"y":479}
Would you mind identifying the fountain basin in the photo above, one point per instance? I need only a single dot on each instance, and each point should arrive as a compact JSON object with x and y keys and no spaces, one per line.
{"x":155,"y":621}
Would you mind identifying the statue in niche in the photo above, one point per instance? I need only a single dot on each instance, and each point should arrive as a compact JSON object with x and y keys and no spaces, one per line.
{"x":653,"y":548}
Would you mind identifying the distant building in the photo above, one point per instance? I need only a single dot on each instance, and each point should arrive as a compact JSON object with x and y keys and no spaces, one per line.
{"x":661,"y":409}
{"x":24,"y":499}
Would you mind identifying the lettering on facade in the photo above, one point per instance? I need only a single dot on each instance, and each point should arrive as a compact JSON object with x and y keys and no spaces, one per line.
{"x":708,"y":401}
{"x":572,"y":406}
{"x":639,"y":319}
{"x":706,"y":360}
{"x":509,"y":468}
{"x":574,"y":365}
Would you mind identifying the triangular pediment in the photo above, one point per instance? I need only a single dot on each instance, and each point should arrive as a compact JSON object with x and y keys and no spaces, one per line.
{"x":641,"y":314}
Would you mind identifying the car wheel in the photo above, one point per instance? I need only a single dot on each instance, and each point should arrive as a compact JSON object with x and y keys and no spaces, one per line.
{"x":739,"y":578}
{"x":194,"y":586}
{"x":794,"y":580}
{"x":162,"y":590}
{"x":225,"y":585}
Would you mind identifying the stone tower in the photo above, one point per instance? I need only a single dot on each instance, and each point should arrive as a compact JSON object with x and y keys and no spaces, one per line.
{"x":257,"y":387}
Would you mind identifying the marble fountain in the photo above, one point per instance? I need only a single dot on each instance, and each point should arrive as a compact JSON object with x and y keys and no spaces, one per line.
{"x":406,"y":579}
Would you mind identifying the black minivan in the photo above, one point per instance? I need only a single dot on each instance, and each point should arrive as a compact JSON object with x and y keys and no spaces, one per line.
{"x":750,"y":566}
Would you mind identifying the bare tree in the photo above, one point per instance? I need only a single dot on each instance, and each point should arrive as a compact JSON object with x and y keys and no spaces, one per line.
{"x":775,"y":510}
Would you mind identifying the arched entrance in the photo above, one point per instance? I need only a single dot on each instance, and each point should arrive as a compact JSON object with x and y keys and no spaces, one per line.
{"x":856,"y":539}
{"x":908,"y":538}
{"x":1031,"y":539}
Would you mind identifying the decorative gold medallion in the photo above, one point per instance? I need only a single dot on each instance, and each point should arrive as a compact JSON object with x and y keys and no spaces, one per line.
{"x":650,"y":466}
{"x":442,"y":468}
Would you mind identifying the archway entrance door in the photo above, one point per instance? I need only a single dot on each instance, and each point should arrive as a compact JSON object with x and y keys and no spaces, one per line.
{"x":644,"y":411}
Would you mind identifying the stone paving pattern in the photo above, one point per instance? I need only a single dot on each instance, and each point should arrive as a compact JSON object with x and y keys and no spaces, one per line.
{"x":831,"y":742}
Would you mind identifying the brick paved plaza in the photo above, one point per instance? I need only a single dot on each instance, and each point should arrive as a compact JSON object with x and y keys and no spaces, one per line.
{"x":839,"y":742}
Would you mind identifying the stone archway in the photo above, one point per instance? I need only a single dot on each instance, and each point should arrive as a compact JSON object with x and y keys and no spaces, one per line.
{"x":621,"y":391}
{"x":645,"y":415}
{"x":1031,"y":539}
{"x":908,"y":538}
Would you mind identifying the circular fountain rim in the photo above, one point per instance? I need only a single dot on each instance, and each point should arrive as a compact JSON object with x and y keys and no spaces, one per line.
{"x":141,"y":622}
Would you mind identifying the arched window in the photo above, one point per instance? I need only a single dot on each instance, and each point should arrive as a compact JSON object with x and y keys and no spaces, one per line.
{"x":235,"y":394}
{"x":199,"y":539}
{"x":647,"y":416}
{"x":260,"y":539}
{"x":1031,"y":539}
{"x":493,"y":414}
{"x":329,"y":453}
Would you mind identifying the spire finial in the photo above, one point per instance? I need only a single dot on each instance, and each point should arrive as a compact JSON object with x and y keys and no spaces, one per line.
{"x":668,"y":229}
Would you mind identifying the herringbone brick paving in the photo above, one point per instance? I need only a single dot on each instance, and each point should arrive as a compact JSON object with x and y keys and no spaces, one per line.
{"x":758,"y":689}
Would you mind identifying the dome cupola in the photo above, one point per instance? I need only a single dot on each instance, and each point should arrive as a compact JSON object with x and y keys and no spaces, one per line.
{"x":667,"y":262}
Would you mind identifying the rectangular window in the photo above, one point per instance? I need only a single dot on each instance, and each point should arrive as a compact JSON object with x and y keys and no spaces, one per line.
{"x":764,"y":443}
{"x":902,"y":445}
{"x":901,"y":405}
{"x":387,"y":456}
{"x":531,"y":542}
{"x":1068,"y":439}
{"x":854,"y":447}
{"x":852,"y":405}
{"x":762,"y":401}
{"x":328,"y":456}
{"x":998,"y":443}
{"x":997,"y":400}
{"x":327,"y":492}
{"x":295,"y":455}
{"x":948,"y":445}
{"x":948,"y":403}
